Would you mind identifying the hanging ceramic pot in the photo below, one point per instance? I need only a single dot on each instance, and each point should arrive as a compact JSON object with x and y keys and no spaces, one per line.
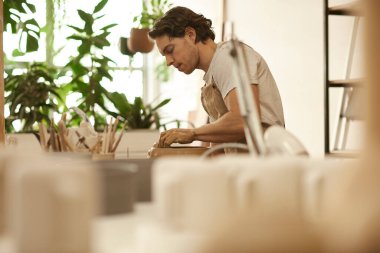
{"x":139,"y":41}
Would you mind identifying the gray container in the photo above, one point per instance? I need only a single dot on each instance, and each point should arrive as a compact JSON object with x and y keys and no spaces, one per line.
{"x":118,"y":186}
{"x":144,"y":178}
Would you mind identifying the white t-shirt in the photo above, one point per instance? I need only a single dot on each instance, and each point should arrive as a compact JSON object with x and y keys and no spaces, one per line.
{"x":221,"y":73}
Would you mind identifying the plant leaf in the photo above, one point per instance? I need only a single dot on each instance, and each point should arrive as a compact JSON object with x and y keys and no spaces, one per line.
{"x":31,"y":43}
{"x":108,"y":27}
{"x":161,"y":104}
{"x":86,"y":17}
{"x":76,"y":28}
{"x":76,"y":37}
{"x":100,"y":6}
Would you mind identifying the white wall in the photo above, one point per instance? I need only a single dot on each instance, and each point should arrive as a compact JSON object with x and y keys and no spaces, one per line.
{"x":289,"y":35}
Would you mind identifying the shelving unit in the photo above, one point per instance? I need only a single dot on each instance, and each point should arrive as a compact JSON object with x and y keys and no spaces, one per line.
{"x":350,"y":9}
{"x":349,"y":85}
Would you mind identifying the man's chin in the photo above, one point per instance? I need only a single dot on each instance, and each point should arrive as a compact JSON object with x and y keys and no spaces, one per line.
{"x":188,"y":72}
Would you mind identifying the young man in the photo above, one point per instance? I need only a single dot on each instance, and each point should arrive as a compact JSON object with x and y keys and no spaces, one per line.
{"x":186,"y":40}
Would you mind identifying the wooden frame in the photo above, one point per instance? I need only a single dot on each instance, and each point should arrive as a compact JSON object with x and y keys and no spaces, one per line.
{"x":2,"y":118}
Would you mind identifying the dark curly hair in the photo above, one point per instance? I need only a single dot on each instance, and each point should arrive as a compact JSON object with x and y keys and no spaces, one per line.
{"x":175,"y":21}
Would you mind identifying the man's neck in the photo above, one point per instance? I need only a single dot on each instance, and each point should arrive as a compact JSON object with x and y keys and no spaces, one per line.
{"x":206,"y":53}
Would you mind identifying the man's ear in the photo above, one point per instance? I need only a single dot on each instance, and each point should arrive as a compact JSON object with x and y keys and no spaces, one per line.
{"x":191,"y":33}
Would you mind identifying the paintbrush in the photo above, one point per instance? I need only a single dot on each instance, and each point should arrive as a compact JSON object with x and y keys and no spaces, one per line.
{"x":113,"y":132}
{"x":53,"y":140}
{"x":119,"y":138}
{"x":81,"y":139}
{"x":43,"y":136}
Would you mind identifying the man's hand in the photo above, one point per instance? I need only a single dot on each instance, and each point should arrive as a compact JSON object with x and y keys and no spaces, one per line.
{"x":176,"y":135}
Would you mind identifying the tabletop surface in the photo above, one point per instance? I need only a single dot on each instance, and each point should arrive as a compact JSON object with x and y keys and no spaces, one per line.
{"x":111,"y":234}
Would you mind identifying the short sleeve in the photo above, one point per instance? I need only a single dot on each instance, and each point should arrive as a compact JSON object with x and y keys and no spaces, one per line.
{"x":223,"y":69}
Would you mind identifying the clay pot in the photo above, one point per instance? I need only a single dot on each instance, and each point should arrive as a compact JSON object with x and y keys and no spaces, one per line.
{"x":139,"y":41}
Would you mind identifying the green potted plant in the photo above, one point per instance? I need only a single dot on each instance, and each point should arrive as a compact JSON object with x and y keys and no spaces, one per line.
{"x":86,"y":79}
{"x":17,"y":18}
{"x":90,"y":66}
{"x":32,"y":96}
{"x":142,"y":120}
{"x":137,"y":115}
{"x":139,"y":40}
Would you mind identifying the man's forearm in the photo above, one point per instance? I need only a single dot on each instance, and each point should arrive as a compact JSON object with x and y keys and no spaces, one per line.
{"x":228,"y":128}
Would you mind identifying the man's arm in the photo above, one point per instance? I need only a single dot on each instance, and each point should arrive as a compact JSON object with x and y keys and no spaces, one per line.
{"x":228,"y":128}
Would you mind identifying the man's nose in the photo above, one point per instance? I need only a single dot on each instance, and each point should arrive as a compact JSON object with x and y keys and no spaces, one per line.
{"x":169,"y":60}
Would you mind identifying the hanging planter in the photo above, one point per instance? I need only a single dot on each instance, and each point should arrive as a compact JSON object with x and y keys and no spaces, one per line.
{"x":152,"y":10}
{"x":139,"y":41}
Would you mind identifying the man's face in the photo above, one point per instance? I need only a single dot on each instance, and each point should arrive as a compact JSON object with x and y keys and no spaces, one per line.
{"x":182,"y":53}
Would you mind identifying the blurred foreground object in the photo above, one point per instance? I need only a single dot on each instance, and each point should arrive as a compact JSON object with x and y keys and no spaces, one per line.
{"x":51,"y":204}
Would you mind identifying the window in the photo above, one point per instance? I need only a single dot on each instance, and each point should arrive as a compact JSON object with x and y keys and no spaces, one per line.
{"x":128,"y":73}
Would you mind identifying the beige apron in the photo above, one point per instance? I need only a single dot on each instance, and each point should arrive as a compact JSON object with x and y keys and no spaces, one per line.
{"x":213,"y":102}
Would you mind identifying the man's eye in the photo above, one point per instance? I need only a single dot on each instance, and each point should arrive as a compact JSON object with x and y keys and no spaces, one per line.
{"x":169,"y":50}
